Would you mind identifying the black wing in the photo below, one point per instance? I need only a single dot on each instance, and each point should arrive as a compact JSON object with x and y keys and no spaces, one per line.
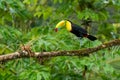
{"x":78,"y":31}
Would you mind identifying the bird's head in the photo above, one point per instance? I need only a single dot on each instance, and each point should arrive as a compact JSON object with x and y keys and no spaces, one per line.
{"x":63,"y":23}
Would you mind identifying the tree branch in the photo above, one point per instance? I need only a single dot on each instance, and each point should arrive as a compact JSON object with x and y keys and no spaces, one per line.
{"x":82,"y":52}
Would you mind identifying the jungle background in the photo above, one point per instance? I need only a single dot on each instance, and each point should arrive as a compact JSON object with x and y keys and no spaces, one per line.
{"x":33,"y":22}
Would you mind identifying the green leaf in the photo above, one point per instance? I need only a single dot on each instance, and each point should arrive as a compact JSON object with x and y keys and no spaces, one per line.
{"x":39,"y":76}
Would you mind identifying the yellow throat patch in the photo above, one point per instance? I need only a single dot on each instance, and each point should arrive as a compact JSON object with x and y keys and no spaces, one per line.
{"x":68,"y":26}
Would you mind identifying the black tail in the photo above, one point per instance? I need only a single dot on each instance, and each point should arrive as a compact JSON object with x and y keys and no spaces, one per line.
{"x":92,"y":38}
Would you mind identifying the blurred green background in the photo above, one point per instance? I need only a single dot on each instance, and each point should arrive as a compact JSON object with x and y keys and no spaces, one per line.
{"x":33,"y":22}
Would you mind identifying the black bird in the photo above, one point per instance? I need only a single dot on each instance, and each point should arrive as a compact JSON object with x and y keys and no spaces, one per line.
{"x":75,"y":29}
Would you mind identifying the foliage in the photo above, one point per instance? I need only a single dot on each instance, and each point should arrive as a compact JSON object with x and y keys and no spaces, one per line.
{"x":31,"y":22}
{"x":54,"y":68}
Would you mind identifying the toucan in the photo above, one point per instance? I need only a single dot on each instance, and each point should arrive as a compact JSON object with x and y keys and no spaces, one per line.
{"x":75,"y":29}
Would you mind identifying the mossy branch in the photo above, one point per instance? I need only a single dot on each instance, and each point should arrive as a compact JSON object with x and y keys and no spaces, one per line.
{"x":81,"y":53}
